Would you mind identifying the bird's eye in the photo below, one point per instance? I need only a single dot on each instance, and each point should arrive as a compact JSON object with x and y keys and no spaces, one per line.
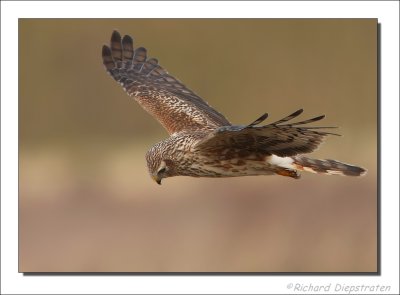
{"x":162,"y":170}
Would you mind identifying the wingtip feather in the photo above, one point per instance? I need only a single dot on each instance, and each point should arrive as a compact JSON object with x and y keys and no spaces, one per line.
{"x":108,"y":60}
{"x":115,"y":36}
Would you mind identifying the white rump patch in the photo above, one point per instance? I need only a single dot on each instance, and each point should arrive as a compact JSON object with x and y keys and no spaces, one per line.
{"x":285,"y":162}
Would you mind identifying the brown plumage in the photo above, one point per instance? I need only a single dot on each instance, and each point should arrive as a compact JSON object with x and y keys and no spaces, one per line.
{"x":202,"y":142}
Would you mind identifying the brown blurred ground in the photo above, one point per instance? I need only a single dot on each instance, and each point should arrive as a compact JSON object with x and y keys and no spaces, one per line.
{"x":87,"y":202}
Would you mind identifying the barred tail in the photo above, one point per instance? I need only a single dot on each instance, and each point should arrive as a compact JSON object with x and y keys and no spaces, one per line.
{"x":326,"y":166}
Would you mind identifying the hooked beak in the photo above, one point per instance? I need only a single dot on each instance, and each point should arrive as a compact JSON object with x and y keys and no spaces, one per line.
{"x":156,"y":179}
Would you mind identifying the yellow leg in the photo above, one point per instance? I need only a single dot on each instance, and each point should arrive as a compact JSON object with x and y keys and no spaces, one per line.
{"x":287,"y":172}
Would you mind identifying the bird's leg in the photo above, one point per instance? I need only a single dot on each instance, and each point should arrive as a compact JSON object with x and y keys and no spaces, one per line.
{"x":287,"y":172}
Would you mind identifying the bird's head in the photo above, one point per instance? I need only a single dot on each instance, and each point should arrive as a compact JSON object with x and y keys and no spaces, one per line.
{"x":160,"y":166}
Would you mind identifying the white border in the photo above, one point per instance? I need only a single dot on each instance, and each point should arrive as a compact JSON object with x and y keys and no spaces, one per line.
{"x":15,"y":283}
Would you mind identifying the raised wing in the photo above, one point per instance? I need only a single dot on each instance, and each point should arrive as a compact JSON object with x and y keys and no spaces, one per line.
{"x":176,"y":107}
{"x":279,"y":138}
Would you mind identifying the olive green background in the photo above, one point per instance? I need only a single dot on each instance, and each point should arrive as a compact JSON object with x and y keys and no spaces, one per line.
{"x":86,"y":202}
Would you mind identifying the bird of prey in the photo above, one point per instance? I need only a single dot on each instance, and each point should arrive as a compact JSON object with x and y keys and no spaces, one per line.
{"x":202,"y":142}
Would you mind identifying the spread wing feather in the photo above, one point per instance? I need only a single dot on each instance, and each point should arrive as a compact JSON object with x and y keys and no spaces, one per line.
{"x":280,"y":138}
{"x":175,"y":106}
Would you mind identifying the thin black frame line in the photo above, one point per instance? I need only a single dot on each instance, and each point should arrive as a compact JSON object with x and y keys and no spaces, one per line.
{"x":198,"y":273}
{"x":378,"y":150}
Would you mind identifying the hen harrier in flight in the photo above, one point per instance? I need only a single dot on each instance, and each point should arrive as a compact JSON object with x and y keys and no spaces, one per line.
{"x":202,"y":142}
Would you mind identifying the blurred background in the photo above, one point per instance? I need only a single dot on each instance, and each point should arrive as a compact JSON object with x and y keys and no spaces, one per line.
{"x":87,"y":203}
